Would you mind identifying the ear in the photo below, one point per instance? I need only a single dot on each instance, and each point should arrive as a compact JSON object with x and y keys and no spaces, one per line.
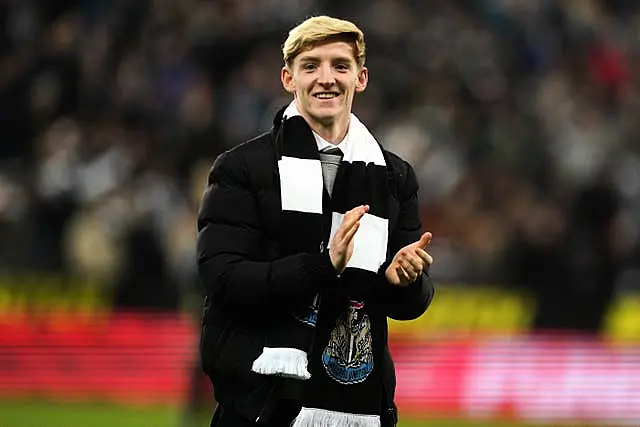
{"x":362,"y":79}
{"x":287,"y":80}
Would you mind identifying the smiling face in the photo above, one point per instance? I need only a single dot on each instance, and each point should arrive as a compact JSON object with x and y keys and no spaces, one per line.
{"x":324,"y":80}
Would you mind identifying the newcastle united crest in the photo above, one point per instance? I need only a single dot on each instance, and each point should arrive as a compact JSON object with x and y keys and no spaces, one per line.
{"x":348,"y":358}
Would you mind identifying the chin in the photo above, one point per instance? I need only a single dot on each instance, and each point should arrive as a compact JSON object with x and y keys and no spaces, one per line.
{"x":326,"y":114}
{"x":324,"y":118}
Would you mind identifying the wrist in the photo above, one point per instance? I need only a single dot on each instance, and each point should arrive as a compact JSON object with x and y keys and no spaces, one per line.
{"x":383,"y":271}
{"x":335,"y":263}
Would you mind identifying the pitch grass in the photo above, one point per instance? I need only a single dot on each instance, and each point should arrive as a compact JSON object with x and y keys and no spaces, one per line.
{"x":47,"y":414}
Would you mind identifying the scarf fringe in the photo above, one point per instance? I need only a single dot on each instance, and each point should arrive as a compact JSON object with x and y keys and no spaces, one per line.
{"x":284,"y":362}
{"x":313,"y":417}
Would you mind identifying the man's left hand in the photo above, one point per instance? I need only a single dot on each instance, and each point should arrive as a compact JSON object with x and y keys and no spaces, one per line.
{"x":409,"y":263}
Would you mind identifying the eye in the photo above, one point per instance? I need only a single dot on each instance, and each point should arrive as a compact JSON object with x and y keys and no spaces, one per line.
{"x":309,"y":66}
{"x":342,"y":67}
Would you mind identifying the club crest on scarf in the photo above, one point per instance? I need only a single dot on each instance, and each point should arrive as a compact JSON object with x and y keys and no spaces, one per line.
{"x":348,"y":358}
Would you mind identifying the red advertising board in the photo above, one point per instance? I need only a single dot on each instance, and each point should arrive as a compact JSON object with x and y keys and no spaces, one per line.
{"x":526,"y":378}
{"x":146,"y":358}
{"x":126,"y":358}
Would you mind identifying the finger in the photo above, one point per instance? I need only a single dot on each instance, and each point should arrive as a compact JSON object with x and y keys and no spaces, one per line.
{"x":425,"y":239}
{"x":428,"y":259}
{"x":359,"y":211}
{"x":348,"y":221}
{"x":348,"y":235}
{"x":417,"y":263}
{"x":409,"y":262}
{"x":403,"y":275}
{"x":408,"y":276}
{"x":409,"y":269}
{"x":353,"y":215}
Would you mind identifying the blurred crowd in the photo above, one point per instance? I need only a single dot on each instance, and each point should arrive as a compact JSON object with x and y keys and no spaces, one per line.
{"x":520,"y":118}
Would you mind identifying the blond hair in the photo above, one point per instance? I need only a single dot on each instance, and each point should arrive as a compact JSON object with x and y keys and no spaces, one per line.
{"x":319,"y":29}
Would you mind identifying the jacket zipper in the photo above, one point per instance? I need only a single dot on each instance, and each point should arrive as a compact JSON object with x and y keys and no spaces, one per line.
{"x":267,"y":402}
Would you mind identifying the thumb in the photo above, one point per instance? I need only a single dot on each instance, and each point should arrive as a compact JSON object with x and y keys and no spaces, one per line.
{"x":425,"y":239}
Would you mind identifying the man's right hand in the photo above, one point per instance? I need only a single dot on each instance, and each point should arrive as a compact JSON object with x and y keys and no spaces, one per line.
{"x":341,"y":245}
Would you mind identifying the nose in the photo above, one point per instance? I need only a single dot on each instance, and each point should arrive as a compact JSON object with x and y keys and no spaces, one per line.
{"x":325,"y":75}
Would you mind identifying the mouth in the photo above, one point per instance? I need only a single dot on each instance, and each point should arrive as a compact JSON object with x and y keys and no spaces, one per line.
{"x":326,"y":95}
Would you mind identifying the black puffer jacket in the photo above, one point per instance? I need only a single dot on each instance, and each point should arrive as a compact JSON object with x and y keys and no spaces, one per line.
{"x":249,"y":283}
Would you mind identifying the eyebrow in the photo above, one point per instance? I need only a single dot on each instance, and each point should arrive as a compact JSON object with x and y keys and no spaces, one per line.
{"x":309,"y":58}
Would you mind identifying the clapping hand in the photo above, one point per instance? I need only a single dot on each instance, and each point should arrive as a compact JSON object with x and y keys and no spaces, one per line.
{"x":409,"y":263}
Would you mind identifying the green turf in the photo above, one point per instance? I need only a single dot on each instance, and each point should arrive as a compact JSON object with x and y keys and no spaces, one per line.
{"x":45,"y":414}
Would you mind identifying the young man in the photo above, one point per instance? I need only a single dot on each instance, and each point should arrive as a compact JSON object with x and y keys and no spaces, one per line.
{"x":305,"y":251}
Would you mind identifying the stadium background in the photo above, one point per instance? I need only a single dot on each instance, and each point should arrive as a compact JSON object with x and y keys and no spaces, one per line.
{"x":519,"y":116}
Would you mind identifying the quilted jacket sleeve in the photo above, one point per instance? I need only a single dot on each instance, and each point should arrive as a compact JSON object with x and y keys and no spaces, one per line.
{"x":230,"y":240}
{"x":409,"y":302}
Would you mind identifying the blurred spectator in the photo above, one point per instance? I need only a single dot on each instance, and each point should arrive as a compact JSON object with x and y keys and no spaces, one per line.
{"x":513,"y":112}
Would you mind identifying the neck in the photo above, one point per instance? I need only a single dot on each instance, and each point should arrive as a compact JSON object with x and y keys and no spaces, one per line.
{"x":333,"y":131}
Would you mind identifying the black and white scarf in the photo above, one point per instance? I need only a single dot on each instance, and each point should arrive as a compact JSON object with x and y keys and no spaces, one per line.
{"x":361,"y":179}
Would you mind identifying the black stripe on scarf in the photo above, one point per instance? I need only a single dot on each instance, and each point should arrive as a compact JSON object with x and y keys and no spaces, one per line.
{"x":302,"y":231}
